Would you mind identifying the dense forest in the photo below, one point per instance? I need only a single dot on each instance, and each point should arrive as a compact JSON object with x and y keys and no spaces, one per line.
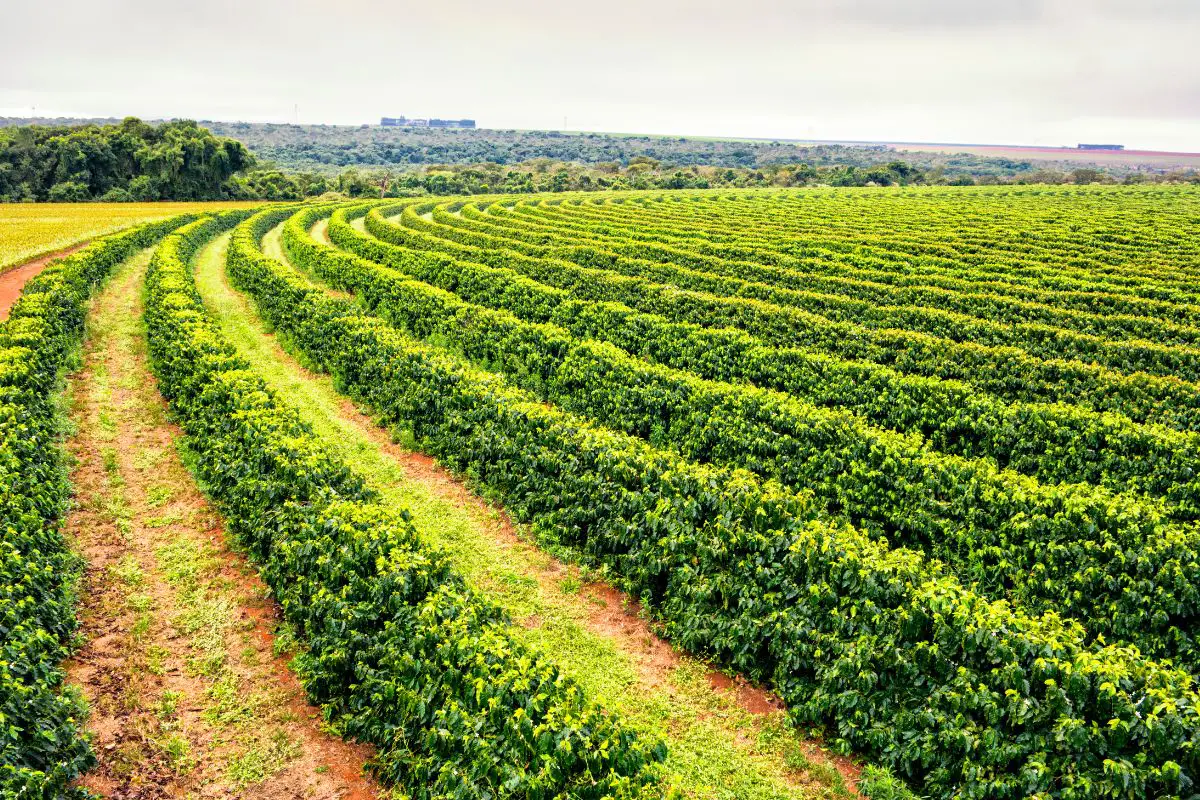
{"x":331,"y":147}
{"x":131,"y":160}
{"x":550,"y":175}
{"x":128,"y":160}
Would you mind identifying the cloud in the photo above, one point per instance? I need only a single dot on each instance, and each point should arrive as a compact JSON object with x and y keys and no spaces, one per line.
{"x":1018,"y":71}
{"x":934,"y":14}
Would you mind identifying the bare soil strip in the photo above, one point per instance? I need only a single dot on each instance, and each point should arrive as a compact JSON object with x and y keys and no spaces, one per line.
{"x":12,"y":281}
{"x":728,"y":739}
{"x":183,"y":663}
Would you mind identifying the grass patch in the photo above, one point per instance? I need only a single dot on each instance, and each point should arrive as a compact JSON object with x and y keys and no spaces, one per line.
{"x":128,"y":571}
{"x":230,"y":704}
{"x":163,"y":520}
{"x":147,"y":458}
{"x":714,"y":750}
{"x":156,"y":659}
{"x":260,"y":760}
{"x":159,"y":496}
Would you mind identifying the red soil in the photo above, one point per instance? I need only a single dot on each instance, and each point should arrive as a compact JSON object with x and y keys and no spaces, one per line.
{"x":14,"y":280}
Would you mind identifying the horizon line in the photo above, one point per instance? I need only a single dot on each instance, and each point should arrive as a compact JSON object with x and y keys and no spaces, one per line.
{"x":730,"y":137}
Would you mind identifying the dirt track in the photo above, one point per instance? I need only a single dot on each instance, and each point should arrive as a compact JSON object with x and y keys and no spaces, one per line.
{"x":14,"y":280}
{"x":189,"y":689}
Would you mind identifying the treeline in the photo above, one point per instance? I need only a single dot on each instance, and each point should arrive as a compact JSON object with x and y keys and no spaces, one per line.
{"x":128,"y":161}
{"x":547,"y":175}
{"x":328,"y":149}
{"x":132,"y":160}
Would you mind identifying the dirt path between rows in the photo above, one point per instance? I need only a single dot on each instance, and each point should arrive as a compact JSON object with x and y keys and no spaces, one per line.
{"x":13,"y":280}
{"x":562,"y":609}
{"x":613,"y":615}
{"x":183,"y":661}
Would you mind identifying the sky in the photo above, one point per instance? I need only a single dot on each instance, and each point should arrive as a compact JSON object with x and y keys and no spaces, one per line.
{"x":1035,"y":72}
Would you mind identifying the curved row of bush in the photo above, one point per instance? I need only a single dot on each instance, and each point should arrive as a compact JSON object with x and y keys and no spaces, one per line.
{"x":751,"y":258}
{"x":718,"y":225}
{"x":1021,"y":259}
{"x":1042,"y":547}
{"x":963,"y":697}
{"x":401,"y":653}
{"x":42,"y":746}
{"x":994,"y":271}
{"x":1126,"y":236}
{"x":910,"y":225}
{"x":1054,"y":443}
{"x":1008,"y":373}
{"x":987,"y":318}
{"x":1038,"y":340}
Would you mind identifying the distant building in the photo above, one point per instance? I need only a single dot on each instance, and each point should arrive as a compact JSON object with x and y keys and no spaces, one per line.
{"x":405,"y":122}
{"x":1101,"y":147}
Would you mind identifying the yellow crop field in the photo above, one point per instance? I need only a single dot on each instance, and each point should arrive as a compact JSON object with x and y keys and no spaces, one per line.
{"x":30,"y":230}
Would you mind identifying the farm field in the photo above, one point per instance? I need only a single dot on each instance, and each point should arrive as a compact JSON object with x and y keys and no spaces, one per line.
{"x":716,"y":494}
{"x":32,"y":229}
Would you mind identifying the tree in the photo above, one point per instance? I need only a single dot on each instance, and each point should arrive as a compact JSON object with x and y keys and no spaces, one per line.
{"x":69,"y":192}
{"x":173,"y":161}
{"x":1087,"y":175}
{"x":144,"y":188}
{"x":352,"y":184}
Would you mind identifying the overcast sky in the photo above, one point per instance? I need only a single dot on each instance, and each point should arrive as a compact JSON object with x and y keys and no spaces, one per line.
{"x":1047,"y":72}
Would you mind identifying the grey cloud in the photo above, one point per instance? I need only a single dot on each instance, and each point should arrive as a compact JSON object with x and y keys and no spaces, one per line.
{"x":1157,"y":10}
{"x":1022,"y":70}
{"x":935,"y":13}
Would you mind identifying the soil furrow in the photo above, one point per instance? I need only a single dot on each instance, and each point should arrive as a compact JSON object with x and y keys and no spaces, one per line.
{"x":727,"y":739}
{"x":182,"y":663}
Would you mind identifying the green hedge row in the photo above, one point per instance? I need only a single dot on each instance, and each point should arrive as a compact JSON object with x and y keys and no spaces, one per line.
{"x":1008,"y":373}
{"x":1053,"y":443}
{"x":1072,"y":247}
{"x":1140,"y":326}
{"x":963,"y":697}
{"x":746,"y":229}
{"x":1027,"y":258}
{"x":400,"y":652}
{"x":42,"y":745}
{"x":1043,"y":547}
{"x":1038,"y":340}
{"x":754,"y":259}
